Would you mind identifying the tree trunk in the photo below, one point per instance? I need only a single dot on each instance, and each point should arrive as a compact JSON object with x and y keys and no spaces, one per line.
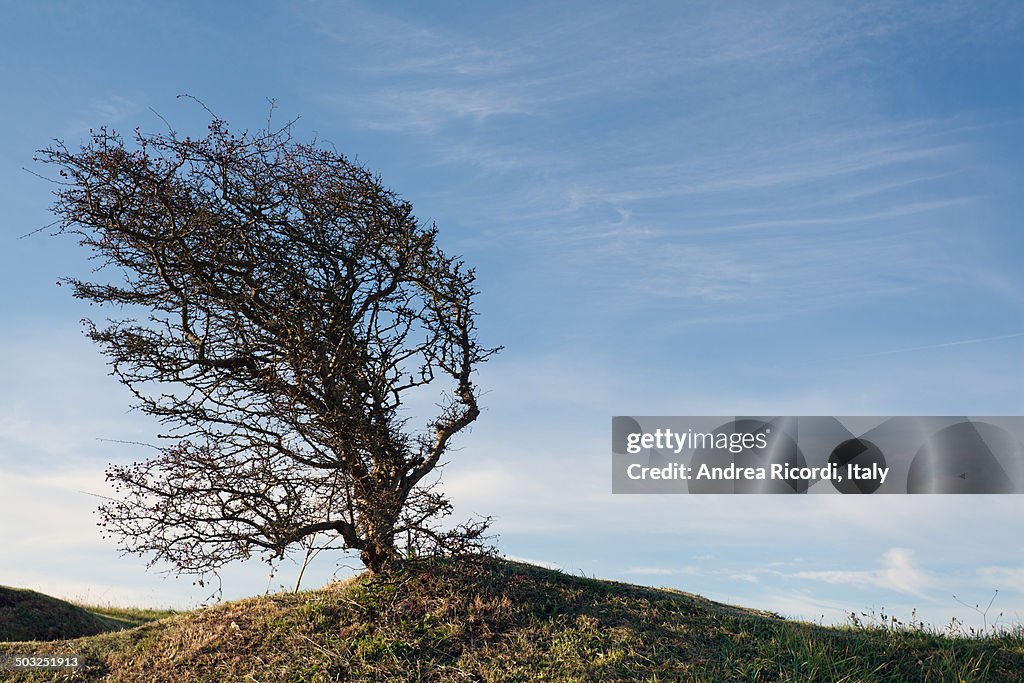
{"x":378,"y":555}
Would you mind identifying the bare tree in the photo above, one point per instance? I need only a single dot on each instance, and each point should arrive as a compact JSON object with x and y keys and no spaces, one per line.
{"x":281,"y":309}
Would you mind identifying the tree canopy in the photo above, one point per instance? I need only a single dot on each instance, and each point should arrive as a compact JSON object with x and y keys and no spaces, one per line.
{"x":285,"y":316}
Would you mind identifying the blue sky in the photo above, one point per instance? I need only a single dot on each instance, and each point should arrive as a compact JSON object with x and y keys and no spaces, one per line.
{"x":718,"y":208}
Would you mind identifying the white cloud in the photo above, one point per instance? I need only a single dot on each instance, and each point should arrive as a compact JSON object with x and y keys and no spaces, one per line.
{"x":430,"y":109}
{"x":540,"y":563}
{"x":102,"y":111}
{"x":897,"y":573}
{"x":1002,"y":578}
{"x":53,"y":510}
{"x":800,"y":605}
{"x":662,"y":571}
{"x":744,"y":576}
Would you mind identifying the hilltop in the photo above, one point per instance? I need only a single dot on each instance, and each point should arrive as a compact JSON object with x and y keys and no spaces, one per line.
{"x":493,"y":620}
{"x":28,"y":615}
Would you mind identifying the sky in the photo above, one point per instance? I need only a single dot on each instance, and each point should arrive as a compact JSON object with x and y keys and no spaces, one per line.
{"x":706,"y":208}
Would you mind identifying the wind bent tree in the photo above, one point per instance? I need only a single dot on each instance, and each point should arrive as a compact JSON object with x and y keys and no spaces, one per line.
{"x":281,"y":308}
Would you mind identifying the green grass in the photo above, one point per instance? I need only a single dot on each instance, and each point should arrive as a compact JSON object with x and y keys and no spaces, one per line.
{"x":26,"y":615}
{"x":126,"y":617}
{"x":493,"y":620}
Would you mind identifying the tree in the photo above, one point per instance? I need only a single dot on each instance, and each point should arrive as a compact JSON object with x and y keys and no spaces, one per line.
{"x":282,"y":310}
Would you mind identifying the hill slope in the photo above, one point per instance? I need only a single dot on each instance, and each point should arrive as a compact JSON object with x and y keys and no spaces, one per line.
{"x":492,"y":620}
{"x":27,"y":615}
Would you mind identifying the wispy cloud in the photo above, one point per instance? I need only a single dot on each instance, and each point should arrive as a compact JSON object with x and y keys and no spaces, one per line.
{"x":1002,"y":578}
{"x":662,"y":571}
{"x":732,"y":195}
{"x":942,"y":345}
{"x":428,"y":110}
{"x":545,"y":56}
{"x":748,"y":577}
{"x":898,"y":573}
{"x":540,"y":563}
{"x":803,"y":605}
{"x":401,"y":48}
{"x":110,"y":110}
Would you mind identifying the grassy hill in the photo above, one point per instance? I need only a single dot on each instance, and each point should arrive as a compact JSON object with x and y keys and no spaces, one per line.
{"x":493,"y":620}
{"x":28,"y":615}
